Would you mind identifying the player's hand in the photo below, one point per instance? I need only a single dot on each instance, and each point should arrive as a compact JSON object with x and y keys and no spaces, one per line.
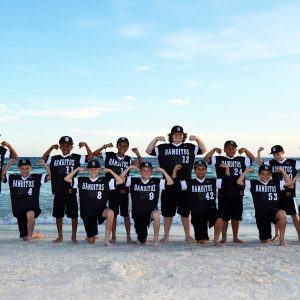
{"x":109,"y":145}
{"x":82,"y":144}
{"x":5,"y":144}
{"x":135,"y":151}
{"x":222,"y":165}
{"x":160,"y":139}
{"x":42,"y":162}
{"x":55,"y":146}
{"x":12,"y":161}
{"x":280,"y":170}
{"x":241,"y":150}
{"x":261,"y":149}
{"x":193,"y":138}
{"x":106,"y":170}
{"x":218,"y":150}
{"x":177,"y":167}
{"x":134,"y":166}
{"x":249,"y":170}
{"x":158,"y":169}
{"x":82,"y":170}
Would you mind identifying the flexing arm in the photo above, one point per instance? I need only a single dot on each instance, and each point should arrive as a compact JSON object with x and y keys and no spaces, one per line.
{"x":176,"y":168}
{"x":70,"y":176}
{"x":88,"y":150}
{"x":226,"y":167}
{"x":241,"y":179}
{"x":42,"y":163}
{"x":98,"y":151}
{"x":13,"y":153}
{"x":6,"y":168}
{"x":47,"y":153}
{"x":248,"y":153}
{"x":137,"y":153}
{"x":199,"y":142}
{"x":258,"y":158}
{"x":287,"y":180}
{"x":169,"y":180}
{"x":125,"y":172}
{"x":209,"y":155}
{"x":119,"y":179}
{"x":152,"y":144}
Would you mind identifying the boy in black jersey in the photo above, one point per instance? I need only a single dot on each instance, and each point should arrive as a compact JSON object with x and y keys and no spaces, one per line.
{"x":287,"y":200}
{"x":266,"y":194}
{"x":24,"y":193}
{"x":169,"y":154}
{"x":6,"y":151}
{"x":118,"y":198}
{"x":144,"y":193}
{"x":93,"y":196}
{"x":202,"y":194}
{"x":65,"y":200}
{"x":230,"y":196}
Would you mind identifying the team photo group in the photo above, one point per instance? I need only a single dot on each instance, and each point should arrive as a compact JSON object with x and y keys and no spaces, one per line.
{"x":126,"y":186}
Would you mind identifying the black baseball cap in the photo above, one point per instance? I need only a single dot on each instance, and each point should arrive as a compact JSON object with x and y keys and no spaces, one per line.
{"x":230,"y":143}
{"x":24,"y":162}
{"x":176,"y":128}
{"x":66,"y":139}
{"x":123,"y":139}
{"x":265,"y":168}
{"x":93,"y":163}
{"x":200,"y":163}
{"x":146,"y":164}
{"x":276,"y":149}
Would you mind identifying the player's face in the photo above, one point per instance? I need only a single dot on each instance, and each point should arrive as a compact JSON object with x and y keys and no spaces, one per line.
{"x":94,"y":172}
{"x":25,"y":170}
{"x":200,"y":172}
{"x":177,"y":137}
{"x":146,"y":173}
{"x":265,"y":175}
{"x":65,"y":148}
{"x":230,"y":150}
{"x":279,"y":156}
{"x":122,"y":148}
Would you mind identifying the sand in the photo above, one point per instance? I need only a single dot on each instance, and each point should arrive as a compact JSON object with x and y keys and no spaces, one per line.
{"x":178,"y":270}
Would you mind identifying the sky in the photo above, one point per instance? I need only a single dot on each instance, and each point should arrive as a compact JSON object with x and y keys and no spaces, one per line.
{"x":99,"y":70}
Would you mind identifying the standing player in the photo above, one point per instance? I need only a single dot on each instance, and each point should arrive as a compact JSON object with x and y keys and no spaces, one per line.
{"x":266,"y":194}
{"x":118,"y":198}
{"x":287,"y":200}
{"x":6,"y":151}
{"x":144,"y":193}
{"x":65,"y":200}
{"x":24,"y":193}
{"x":176,"y":151}
{"x":230,"y":196}
{"x":93,"y":196}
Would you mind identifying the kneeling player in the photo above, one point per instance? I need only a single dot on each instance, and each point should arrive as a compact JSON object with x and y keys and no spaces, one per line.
{"x":24,"y":193}
{"x":266,"y":193}
{"x":144,"y":194}
{"x":93,"y":197}
{"x":202,"y":194}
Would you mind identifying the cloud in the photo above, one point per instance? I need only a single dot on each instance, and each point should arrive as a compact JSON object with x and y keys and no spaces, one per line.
{"x":179,"y":102}
{"x":249,"y":37}
{"x":133,"y":31}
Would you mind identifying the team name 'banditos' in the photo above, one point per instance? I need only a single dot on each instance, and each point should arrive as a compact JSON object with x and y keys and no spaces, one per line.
{"x":265,"y":188}
{"x":121,"y":164}
{"x":287,"y":169}
{"x":232,"y":163}
{"x":64,"y":162}
{"x":142,"y":188}
{"x":92,"y":186}
{"x":202,"y":188}
{"x":177,"y":151}
{"x":23,"y":183}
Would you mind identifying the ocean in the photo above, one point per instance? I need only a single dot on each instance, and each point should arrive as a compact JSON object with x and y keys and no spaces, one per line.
{"x":46,"y":197}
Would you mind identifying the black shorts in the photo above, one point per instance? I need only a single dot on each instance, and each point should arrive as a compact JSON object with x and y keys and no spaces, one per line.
{"x":91,"y":224}
{"x":263,"y":222}
{"x":288,"y":204}
{"x":230,"y":208}
{"x":202,"y":221}
{"x":118,"y":202}
{"x":22,"y":221}
{"x":172,"y":200}
{"x":65,"y":204}
{"x":141,"y":224}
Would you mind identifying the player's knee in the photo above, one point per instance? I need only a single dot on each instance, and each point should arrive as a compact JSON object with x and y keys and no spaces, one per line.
{"x":109,"y":213}
{"x":281,"y":214}
{"x":155,"y":215}
{"x":30,"y":214}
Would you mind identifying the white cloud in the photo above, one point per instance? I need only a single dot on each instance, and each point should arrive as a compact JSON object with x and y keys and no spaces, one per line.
{"x":179,"y":102}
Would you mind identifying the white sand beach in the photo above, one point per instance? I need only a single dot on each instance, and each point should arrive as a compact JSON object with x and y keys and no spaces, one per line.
{"x":178,"y":270}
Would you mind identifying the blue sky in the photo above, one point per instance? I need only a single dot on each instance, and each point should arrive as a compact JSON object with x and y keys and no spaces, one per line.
{"x":98,"y":70}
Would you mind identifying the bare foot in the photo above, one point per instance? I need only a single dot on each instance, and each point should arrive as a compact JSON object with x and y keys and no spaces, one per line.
{"x":275,"y":238}
{"x":38,"y":235}
{"x":58,"y":240}
{"x":25,"y":238}
{"x":74,"y":240}
{"x":129,"y":240}
{"x":223,"y":240}
{"x":283,"y":243}
{"x":200,"y":242}
{"x":165,"y":240}
{"x":190,"y":239}
{"x":237,"y":240}
{"x":113,"y":240}
{"x":156,"y":243}
{"x":91,"y":240}
{"x":217,"y":244}
{"x":108,"y":244}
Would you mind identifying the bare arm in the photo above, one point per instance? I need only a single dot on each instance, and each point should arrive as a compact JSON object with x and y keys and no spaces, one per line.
{"x":119,"y":179}
{"x":258,"y":158}
{"x":209,"y":155}
{"x":47,"y":153}
{"x":226,"y":167}
{"x":88,"y":150}
{"x":42,"y":163}
{"x":248,"y":153}
{"x":199,"y":142}
{"x":137,"y":153}
{"x":152,"y":144}
{"x":70,"y":176}
{"x":287,"y":180}
{"x":6,"y":168}
{"x":98,"y":151}
{"x":166,"y":175}
{"x":125,"y":172}
{"x":13,"y":153}
{"x":241,"y":179}
{"x":175,"y":170}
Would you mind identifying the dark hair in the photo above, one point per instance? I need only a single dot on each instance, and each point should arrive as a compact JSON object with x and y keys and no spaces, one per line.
{"x":184,"y":137}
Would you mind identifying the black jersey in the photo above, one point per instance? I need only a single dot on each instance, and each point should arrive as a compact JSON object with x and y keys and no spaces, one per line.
{"x":144,"y":195}
{"x":237,"y":165}
{"x":93,"y":194}
{"x":290,"y":166}
{"x":265,"y":195}
{"x":60,"y":167}
{"x":24,"y":192}
{"x":3,"y":154}
{"x":169,"y":155}
{"x":202,"y":194}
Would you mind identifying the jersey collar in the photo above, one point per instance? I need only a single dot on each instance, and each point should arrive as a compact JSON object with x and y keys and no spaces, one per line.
{"x":64,"y":156}
{"x":281,"y":162}
{"x":201,"y":181}
{"x":145,"y":182}
{"x":24,"y":178}
{"x":264,"y":183}
{"x":95,"y":179}
{"x":177,"y":145}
